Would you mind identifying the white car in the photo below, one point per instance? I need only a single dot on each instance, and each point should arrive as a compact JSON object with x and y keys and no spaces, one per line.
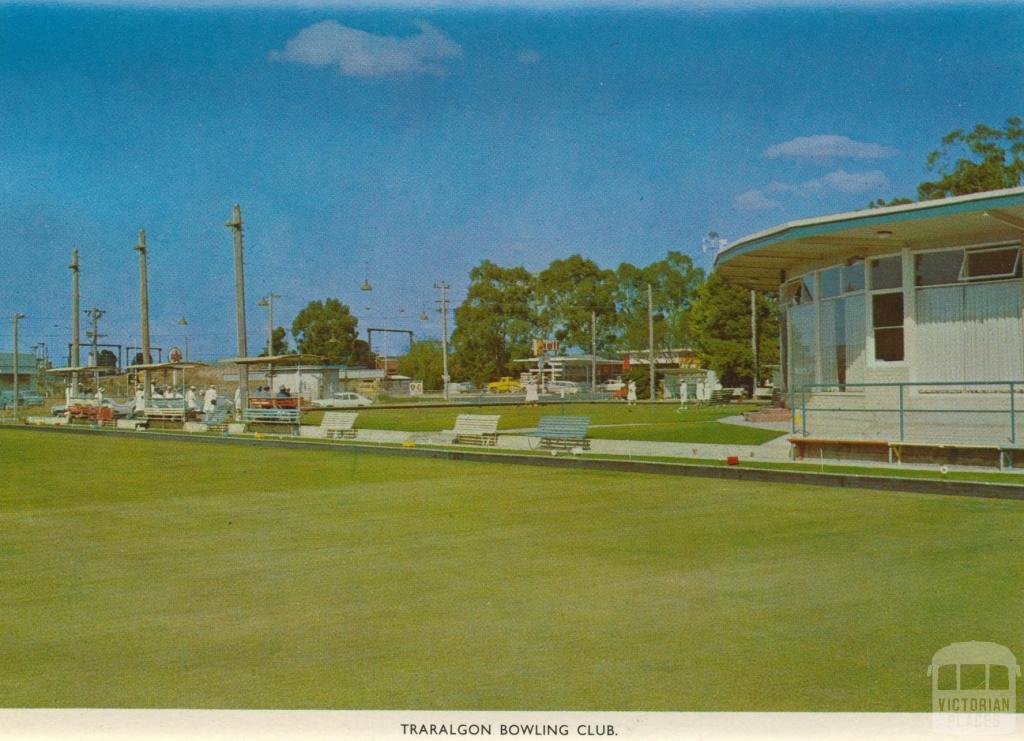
{"x":343,"y":400}
{"x":562,"y":387}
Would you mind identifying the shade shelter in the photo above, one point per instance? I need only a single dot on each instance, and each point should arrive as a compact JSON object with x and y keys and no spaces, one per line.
{"x":272,"y":399}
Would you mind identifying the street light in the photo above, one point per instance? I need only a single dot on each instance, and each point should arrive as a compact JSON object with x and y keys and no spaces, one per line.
{"x":268,"y":303}
{"x":15,"y":320}
{"x":184,"y":323}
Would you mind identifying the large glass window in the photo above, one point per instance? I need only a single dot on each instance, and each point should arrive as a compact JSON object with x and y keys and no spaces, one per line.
{"x":938,"y":268}
{"x":990,"y":264}
{"x":887,"y":313}
{"x":886,"y":272}
{"x":830,"y":283}
{"x":853,"y":276}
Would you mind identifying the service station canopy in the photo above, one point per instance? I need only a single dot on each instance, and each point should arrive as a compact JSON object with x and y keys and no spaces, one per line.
{"x":290,"y":360}
{"x":762,"y":261}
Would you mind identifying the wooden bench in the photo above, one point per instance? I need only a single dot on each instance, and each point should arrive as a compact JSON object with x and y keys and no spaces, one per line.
{"x":271,"y":416}
{"x":476,"y":429}
{"x":896,"y":449}
{"x":339,"y":425}
{"x":562,"y":433}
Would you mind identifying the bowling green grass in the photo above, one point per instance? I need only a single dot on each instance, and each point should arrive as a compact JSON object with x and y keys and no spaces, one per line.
{"x":150,"y":573}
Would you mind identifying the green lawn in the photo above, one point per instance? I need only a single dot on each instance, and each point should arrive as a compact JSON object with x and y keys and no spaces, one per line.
{"x":657,"y":422}
{"x":151,"y":573}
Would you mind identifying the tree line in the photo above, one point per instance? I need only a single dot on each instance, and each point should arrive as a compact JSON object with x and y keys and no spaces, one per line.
{"x":506,"y":308}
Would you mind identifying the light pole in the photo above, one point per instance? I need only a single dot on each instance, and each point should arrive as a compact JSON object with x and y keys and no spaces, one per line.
{"x":268,"y":303}
{"x":184,"y":323}
{"x":443,"y":301}
{"x":15,"y":320}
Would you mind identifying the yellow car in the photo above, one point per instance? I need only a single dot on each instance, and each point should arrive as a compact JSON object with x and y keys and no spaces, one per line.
{"x":504,"y":385}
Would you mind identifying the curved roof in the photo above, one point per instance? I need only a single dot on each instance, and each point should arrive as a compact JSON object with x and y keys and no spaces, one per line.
{"x":758,"y":260}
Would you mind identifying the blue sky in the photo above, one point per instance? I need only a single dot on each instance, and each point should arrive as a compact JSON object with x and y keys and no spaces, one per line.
{"x":405,"y":144}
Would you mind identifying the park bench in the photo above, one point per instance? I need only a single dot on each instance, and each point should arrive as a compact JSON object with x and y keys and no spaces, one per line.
{"x":217,"y":420}
{"x":171,"y":410}
{"x":271,"y":416}
{"x":339,"y":425}
{"x":476,"y":429}
{"x":562,"y":433}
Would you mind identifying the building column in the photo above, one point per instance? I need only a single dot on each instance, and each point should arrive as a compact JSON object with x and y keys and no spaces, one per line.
{"x":909,"y":314}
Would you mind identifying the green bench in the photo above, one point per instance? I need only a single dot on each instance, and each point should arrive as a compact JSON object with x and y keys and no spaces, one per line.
{"x":562,"y":433}
{"x":339,"y":425}
{"x":216,"y":420}
{"x":271,"y":416}
{"x":167,"y":409}
{"x":477,"y":429}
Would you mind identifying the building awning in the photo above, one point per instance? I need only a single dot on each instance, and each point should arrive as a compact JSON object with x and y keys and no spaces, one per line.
{"x":760,"y":260}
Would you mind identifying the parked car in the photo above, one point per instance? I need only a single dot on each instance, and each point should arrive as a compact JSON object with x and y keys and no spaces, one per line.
{"x":343,"y":400}
{"x":613,"y":385}
{"x":504,"y":385}
{"x":562,"y":387}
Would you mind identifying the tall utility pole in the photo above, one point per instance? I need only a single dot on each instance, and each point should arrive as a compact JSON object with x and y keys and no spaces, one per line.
{"x":268,"y":301}
{"x":753,"y":339}
{"x":235,"y":225}
{"x":76,"y":359}
{"x":16,"y":319}
{"x":443,"y":301}
{"x":593,"y":351}
{"x":94,"y":315}
{"x":147,"y":356}
{"x":650,"y":335}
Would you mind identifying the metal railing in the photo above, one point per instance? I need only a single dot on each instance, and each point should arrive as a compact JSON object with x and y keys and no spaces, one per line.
{"x":799,"y":401}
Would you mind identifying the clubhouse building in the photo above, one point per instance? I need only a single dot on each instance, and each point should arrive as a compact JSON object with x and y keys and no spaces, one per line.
{"x":899,"y":324}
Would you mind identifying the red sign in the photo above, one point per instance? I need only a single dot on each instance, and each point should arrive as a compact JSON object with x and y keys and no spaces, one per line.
{"x":174,"y":355}
{"x":625,"y":362}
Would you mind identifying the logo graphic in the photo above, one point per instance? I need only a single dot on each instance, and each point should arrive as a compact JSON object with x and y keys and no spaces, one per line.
{"x":974,"y":688}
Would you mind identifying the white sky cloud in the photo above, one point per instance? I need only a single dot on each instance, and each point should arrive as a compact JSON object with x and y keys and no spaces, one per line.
{"x":361,"y":54}
{"x":828,"y":146}
{"x":754,"y":200}
{"x":839,"y":181}
{"x":846,"y":182}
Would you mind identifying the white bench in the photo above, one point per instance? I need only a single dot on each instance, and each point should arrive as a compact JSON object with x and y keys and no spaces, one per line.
{"x":338,"y":425}
{"x":477,"y":429}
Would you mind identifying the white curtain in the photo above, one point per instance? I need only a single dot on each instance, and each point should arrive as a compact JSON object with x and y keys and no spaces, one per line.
{"x":832,"y":331}
{"x":801,"y":345}
{"x":856,"y":347}
{"x":969,"y":333}
{"x":992,"y":332}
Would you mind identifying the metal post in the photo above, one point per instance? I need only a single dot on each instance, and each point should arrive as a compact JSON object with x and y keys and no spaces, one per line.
{"x":753,"y":339}
{"x":1013,"y":416}
{"x":901,"y":412}
{"x":243,"y":370}
{"x":443,"y":301}
{"x":792,"y":409}
{"x":75,"y":360}
{"x":650,"y":336}
{"x":593,"y":352}
{"x":803,"y":409}
{"x":147,"y":356}
{"x":17,"y":318}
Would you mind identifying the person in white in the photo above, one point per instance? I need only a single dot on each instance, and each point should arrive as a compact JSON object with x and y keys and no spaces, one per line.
{"x":210,"y":400}
{"x":99,"y":396}
{"x":631,"y":393}
{"x":191,"y":398}
{"x":140,"y":400}
{"x":532,"y":397}
{"x":238,"y":400}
